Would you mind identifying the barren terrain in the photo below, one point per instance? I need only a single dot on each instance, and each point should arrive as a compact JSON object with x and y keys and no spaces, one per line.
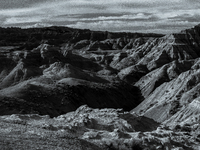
{"x":64,"y":88}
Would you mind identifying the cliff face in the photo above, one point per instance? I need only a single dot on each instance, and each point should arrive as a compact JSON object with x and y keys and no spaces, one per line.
{"x":173,"y":83}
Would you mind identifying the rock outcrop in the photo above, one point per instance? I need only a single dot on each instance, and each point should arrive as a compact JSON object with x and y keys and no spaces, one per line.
{"x":88,"y":128}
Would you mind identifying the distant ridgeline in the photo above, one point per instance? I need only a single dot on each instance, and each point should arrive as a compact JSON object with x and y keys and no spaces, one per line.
{"x":76,"y":38}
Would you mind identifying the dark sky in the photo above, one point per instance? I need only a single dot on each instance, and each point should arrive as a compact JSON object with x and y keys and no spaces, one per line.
{"x":160,"y":16}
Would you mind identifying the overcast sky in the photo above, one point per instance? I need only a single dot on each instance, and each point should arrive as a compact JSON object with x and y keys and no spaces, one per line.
{"x":160,"y":16}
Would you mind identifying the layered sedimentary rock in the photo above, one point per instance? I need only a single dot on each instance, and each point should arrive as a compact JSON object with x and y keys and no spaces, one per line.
{"x":55,"y":70}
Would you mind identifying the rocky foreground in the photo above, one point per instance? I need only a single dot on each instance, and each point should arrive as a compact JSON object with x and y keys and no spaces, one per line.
{"x":106,"y":90}
{"x":88,"y":128}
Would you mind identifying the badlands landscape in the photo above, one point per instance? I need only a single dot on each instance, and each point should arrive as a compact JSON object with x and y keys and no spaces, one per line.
{"x":66,"y":88}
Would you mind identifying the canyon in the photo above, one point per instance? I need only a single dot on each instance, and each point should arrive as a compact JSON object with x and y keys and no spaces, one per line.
{"x":100,"y":90}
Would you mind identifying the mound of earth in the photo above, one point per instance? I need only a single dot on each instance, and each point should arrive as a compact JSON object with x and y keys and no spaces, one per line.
{"x":43,"y":95}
